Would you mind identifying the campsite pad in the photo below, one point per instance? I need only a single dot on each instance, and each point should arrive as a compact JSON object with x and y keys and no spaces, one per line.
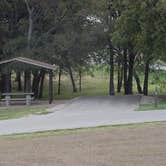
{"x":85,"y":112}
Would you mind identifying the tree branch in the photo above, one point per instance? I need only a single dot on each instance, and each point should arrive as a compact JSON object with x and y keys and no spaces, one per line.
{"x":28,"y":6}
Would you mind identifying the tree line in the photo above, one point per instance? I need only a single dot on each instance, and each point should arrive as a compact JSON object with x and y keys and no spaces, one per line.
{"x":74,"y":34}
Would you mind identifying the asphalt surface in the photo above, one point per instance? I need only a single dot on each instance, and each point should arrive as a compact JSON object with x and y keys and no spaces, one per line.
{"x":84,"y":112}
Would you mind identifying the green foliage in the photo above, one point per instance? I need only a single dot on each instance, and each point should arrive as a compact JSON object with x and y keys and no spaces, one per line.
{"x":159,"y":79}
{"x":13,"y":46}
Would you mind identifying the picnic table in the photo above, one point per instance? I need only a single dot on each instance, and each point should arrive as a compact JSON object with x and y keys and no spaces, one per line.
{"x":8,"y":97}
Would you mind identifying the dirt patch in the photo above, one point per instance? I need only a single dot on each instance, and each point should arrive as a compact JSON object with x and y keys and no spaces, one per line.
{"x":133,"y":146}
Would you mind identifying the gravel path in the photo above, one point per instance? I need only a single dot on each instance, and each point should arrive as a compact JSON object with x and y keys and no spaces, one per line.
{"x":84,"y":112}
{"x":133,"y":146}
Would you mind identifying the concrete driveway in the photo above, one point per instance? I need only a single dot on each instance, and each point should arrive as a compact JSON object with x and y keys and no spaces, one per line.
{"x":84,"y":112}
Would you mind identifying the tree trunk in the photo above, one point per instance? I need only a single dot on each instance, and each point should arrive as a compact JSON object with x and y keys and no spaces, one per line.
{"x":120,"y":77}
{"x":131,"y":73}
{"x":146,"y":79}
{"x":3,"y":78}
{"x":111,"y":83}
{"x":30,"y":29}
{"x":138,"y":82}
{"x":125,"y":67}
{"x":35,"y":74}
{"x":37,"y":86}
{"x":18,"y":79}
{"x":24,"y":81}
{"x":80,"y":80}
{"x":0,"y":83}
{"x":72,"y":79}
{"x":36,"y":82}
{"x":59,"y":80}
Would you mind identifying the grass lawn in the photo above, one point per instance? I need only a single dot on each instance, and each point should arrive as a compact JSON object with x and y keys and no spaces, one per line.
{"x":147,"y":107}
{"x":13,"y":113}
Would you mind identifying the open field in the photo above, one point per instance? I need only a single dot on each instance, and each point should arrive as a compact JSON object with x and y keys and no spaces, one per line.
{"x":118,"y":146}
{"x":98,"y":85}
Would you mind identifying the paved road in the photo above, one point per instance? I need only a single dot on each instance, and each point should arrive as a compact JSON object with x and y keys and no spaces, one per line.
{"x":84,"y":112}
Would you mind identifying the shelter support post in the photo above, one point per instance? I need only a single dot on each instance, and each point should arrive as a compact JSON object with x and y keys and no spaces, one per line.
{"x":7,"y":87}
{"x":7,"y":82}
{"x":28,"y":87}
{"x":27,"y":81}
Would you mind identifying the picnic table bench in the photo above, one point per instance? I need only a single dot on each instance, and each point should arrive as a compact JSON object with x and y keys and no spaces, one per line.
{"x":8,"y":97}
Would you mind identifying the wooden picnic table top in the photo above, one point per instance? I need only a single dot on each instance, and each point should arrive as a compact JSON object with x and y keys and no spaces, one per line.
{"x":16,"y":94}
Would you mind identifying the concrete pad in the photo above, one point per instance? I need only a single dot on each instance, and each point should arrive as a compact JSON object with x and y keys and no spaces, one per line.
{"x":84,"y":112}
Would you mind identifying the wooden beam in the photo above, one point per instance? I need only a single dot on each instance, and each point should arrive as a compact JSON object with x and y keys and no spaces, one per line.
{"x":50,"y":87}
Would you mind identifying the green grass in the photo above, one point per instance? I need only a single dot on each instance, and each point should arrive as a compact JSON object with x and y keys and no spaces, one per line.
{"x":98,"y":85}
{"x":13,"y":113}
{"x":79,"y":130}
{"x":147,"y":107}
{"x":91,"y":86}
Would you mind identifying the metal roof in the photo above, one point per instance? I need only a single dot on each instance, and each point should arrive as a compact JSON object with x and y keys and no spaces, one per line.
{"x":30,"y":62}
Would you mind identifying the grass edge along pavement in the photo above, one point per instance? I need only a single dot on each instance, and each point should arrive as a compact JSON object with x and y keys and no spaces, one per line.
{"x":79,"y":130}
{"x":15,"y":113}
{"x":152,"y":107}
